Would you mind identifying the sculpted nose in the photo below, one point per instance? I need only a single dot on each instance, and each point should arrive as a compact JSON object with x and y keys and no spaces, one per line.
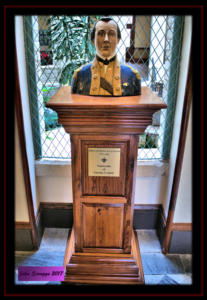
{"x":106,"y":38}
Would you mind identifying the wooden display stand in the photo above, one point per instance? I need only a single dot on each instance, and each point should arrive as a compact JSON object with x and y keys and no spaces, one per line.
{"x":104,"y":131}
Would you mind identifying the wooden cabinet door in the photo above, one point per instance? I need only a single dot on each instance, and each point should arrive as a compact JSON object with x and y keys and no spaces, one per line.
{"x":102,"y":225}
{"x":103,"y":192}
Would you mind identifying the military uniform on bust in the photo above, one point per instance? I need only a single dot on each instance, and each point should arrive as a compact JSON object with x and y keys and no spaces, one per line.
{"x":106,"y":78}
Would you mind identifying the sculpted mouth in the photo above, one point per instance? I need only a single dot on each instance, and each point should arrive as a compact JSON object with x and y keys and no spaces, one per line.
{"x":106,"y":47}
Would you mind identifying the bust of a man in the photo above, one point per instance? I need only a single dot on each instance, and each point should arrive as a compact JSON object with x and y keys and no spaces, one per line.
{"x":105,"y":76}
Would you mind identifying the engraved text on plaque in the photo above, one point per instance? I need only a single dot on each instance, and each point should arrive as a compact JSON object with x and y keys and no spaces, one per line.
{"x":104,"y":162}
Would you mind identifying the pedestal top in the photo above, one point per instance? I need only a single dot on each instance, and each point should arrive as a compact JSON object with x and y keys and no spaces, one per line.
{"x":94,"y":114}
{"x":146,"y":100}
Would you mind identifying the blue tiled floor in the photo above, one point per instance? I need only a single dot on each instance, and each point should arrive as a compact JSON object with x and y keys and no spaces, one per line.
{"x":159,"y":269}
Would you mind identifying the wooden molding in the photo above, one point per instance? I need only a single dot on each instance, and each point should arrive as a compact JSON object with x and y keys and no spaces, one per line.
{"x":20,"y":126}
{"x":179,"y":159}
{"x":181,"y":227}
{"x":23,"y":225}
{"x":147,"y":206}
{"x":103,"y":268}
{"x":52,"y":205}
{"x":123,"y":115}
{"x":162,"y":215}
{"x":38,"y":214}
{"x":104,"y":226}
{"x":70,"y":247}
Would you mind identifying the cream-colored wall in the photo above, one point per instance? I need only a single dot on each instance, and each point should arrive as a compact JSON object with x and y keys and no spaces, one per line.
{"x":55,"y":189}
{"x":55,"y":182}
{"x":149,"y":190}
{"x":183,"y":208}
{"x":21,"y":63}
{"x":179,"y":108}
{"x":21,"y":208}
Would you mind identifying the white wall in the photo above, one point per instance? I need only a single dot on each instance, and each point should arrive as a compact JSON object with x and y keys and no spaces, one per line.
{"x":179,"y":108}
{"x":55,"y":182}
{"x":19,"y":34}
{"x":183,"y":209}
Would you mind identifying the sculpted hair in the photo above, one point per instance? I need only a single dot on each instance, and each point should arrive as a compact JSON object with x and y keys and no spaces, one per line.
{"x":105,"y":19}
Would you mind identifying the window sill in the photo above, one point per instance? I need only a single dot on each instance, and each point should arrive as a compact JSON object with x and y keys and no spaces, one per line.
{"x":62,"y":168}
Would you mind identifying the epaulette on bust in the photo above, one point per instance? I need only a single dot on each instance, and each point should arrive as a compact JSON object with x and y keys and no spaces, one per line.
{"x":78,"y":70}
{"x":135,"y":71}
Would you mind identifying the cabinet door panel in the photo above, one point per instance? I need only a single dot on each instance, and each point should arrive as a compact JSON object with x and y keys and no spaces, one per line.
{"x":103,"y":225}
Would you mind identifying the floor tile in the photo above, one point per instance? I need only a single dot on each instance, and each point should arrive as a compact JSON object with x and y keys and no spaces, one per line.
{"x":184,"y":279}
{"x":158,"y":264}
{"x":166,"y":280}
{"x":54,"y":238}
{"x":187,"y":262}
{"x":148,"y":241}
{"x":172,"y":279}
{"x":50,"y":253}
{"x":159,"y":269}
{"x":153,"y":279}
{"x":41,"y":258}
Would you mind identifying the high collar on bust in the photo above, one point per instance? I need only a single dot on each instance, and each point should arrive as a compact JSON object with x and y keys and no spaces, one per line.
{"x":107,"y":60}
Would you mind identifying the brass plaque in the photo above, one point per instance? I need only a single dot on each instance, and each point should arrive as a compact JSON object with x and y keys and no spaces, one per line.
{"x":104,"y":162}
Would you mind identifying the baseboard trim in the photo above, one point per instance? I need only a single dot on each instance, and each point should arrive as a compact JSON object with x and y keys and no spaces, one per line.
{"x":52,"y":205}
{"x":180,"y":238}
{"x":23,"y":236}
{"x":161,"y":225}
{"x":22,"y":225}
{"x":152,"y":216}
{"x":61,"y":215}
{"x":146,"y":216}
{"x":180,"y":242}
{"x":181,"y":227}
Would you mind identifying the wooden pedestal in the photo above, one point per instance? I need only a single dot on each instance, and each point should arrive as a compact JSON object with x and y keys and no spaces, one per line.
{"x":103,"y":268}
{"x":104,"y":131}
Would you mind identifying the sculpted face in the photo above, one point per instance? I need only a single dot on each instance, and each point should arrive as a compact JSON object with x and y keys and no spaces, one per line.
{"x":106,"y":38}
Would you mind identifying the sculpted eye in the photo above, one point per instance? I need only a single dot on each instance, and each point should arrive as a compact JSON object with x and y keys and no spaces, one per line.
{"x":112,"y":33}
{"x":101,"y":33}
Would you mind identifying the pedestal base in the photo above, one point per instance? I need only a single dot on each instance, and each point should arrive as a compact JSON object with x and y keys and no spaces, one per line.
{"x":102,"y":268}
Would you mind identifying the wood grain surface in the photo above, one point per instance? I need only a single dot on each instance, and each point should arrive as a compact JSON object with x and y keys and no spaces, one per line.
{"x":65,"y":98}
{"x":103,"y":205}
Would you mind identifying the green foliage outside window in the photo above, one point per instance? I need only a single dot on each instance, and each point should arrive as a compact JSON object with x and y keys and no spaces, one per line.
{"x":69,"y":39}
{"x":70,"y":42}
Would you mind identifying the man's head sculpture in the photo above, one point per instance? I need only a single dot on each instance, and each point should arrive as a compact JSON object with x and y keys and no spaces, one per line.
{"x":105,"y":36}
{"x":105,"y":76}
